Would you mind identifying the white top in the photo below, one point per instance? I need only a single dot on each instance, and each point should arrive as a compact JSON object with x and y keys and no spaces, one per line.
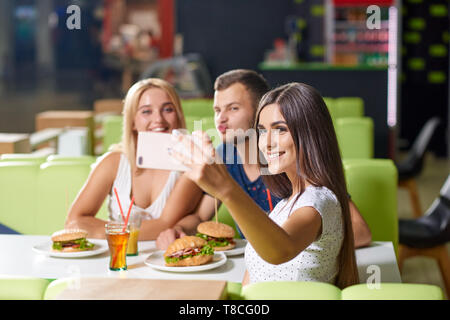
{"x":122,"y":183}
{"x":319,"y":261}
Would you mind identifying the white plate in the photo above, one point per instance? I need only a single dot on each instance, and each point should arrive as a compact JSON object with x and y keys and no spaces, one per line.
{"x":156,"y":261}
{"x":46,"y":249}
{"x":239,"y":249}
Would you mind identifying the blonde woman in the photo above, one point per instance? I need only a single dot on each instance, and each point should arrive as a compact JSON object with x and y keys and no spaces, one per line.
{"x":160,"y":195}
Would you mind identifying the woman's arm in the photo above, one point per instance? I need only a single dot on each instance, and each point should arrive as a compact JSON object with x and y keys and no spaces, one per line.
{"x":361,"y":232}
{"x":183,"y":199}
{"x":91,"y":196}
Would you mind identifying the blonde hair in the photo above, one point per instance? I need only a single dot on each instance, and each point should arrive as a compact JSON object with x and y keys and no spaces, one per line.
{"x":130,"y":107}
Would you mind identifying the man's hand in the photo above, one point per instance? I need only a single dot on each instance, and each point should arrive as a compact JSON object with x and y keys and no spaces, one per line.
{"x":168,"y":236}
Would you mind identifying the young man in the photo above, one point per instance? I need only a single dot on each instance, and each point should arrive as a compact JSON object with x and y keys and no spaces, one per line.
{"x":236,"y":98}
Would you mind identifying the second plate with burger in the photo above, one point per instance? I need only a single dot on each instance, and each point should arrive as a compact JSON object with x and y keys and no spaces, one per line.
{"x":71,"y":243}
{"x":220,"y":237}
{"x":186,"y":254}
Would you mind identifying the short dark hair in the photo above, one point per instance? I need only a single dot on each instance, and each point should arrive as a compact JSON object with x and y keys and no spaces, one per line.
{"x":253,"y":82}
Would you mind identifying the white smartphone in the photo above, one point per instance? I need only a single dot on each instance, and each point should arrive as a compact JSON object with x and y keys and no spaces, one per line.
{"x":152,"y":152}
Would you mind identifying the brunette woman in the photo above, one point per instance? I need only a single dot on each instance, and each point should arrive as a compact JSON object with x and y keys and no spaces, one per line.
{"x":308,"y":235}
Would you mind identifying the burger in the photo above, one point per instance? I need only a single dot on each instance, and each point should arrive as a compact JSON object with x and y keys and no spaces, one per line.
{"x":219,"y":235}
{"x":188,"y":251}
{"x":71,"y":240}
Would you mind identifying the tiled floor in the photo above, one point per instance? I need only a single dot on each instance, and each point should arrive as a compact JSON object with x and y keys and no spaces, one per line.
{"x":435,"y":172}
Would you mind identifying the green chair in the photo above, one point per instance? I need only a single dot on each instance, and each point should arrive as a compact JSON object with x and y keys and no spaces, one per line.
{"x":81,"y":159}
{"x":234,"y":290}
{"x":112,"y":131}
{"x":349,"y":107}
{"x":355,"y":137}
{"x":18,"y":196}
{"x":206,"y":124}
{"x":23,"y":157}
{"x":393,"y":291}
{"x":290,"y":290}
{"x":58,"y":286}
{"x":23,"y":288}
{"x":330,"y":102}
{"x":200,"y":123}
{"x":198,"y":107}
{"x":58,"y":184}
{"x":191,"y":123}
{"x":372,"y":184}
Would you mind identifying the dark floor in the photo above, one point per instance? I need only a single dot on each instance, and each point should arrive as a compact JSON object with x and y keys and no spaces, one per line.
{"x":421,"y":269}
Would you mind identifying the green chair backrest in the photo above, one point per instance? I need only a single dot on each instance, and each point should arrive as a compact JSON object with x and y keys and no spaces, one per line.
{"x":330,"y":102}
{"x":224,"y":216}
{"x":355,"y":137}
{"x":290,"y":290}
{"x":23,"y":288}
{"x":80,"y":159}
{"x":349,"y":107}
{"x":198,"y":107}
{"x":58,"y":185}
{"x":23,"y":157}
{"x":18,"y":185}
{"x":190,"y":123}
{"x":393,"y":291}
{"x":206,"y":124}
{"x":57,"y":286}
{"x":372,"y":185}
{"x":234,"y":290}
{"x":281,"y":290}
{"x":112,"y":131}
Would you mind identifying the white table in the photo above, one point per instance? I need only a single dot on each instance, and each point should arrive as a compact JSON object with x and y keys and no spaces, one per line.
{"x":18,"y":260}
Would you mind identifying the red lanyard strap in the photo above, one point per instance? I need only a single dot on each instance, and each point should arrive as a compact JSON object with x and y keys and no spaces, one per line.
{"x":269,"y":199}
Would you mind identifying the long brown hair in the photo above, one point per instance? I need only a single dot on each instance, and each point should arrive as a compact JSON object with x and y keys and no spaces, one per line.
{"x":318,"y":159}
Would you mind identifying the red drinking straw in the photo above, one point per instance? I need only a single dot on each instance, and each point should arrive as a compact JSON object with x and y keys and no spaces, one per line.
{"x":125,"y":225}
{"x":128,"y":214}
{"x":269,"y":198}
{"x":118,"y":201}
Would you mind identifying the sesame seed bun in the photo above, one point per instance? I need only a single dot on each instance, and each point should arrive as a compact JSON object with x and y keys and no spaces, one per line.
{"x":68,"y":235}
{"x":216,"y":229}
{"x":184,"y":243}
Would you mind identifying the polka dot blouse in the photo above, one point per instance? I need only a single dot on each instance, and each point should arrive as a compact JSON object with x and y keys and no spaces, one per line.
{"x":318,"y":262}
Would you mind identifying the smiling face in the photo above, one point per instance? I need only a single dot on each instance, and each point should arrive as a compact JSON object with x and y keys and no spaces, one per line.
{"x":276,"y":142}
{"x":233,"y":111}
{"x":155,"y":112}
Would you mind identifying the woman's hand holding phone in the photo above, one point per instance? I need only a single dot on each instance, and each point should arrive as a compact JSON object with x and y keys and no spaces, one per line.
{"x":207,"y":169}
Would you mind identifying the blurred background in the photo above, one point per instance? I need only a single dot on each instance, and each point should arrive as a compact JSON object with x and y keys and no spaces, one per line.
{"x":44,"y":65}
{"x":394,"y":59}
